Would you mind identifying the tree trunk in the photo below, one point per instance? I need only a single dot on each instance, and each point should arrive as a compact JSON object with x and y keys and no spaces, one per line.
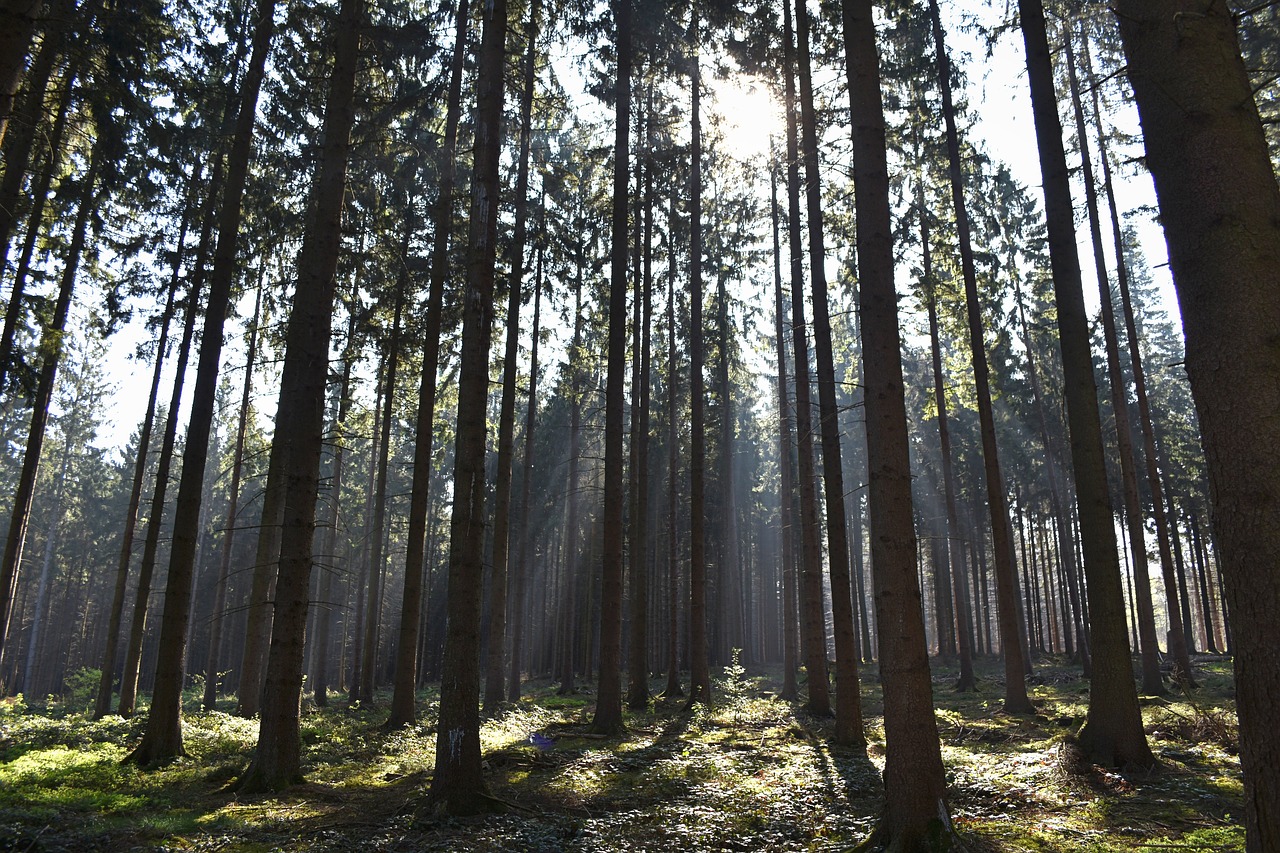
{"x":458,"y":784}
{"x":790,"y":656}
{"x":407,"y":663}
{"x":1015,"y":686}
{"x":1112,"y":733}
{"x":699,"y":668}
{"x":300,"y":420}
{"x":673,"y":688}
{"x":155,"y":517}
{"x":522,"y":566}
{"x":848,"y":699}
{"x":813,"y":640}
{"x":162,"y":739}
{"x":1220,"y":209}
{"x":218,"y":617}
{"x":916,"y":815}
{"x":498,"y":606}
{"x":102,"y":704}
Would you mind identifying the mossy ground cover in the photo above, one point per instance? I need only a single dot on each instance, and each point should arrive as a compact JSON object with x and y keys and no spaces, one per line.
{"x":750,"y":773}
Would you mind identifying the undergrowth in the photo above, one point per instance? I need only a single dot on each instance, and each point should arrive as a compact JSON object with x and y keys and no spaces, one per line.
{"x":750,"y":772}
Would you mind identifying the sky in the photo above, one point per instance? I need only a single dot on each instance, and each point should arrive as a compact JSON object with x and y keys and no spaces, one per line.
{"x":998,"y":97}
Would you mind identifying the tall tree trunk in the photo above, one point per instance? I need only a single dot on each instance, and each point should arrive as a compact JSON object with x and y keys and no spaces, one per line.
{"x":102,"y":703}
{"x":51,"y":347}
{"x":300,"y":419}
{"x":673,"y":688}
{"x":1015,"y":686}
{"x":377,"y":558}
{"x":457,"y":786}
{"x":790,"y":654}
{"x":848,"y":699}
{"x":915,"y":787}
{"x":572,"y":540}
{"x":218,"y":617}
{"x":638,"y":659}
{"x":407,"y":662}
{"x":813,"y":640}
{"x":155,"y":517}
{"x":1112,"y":733}
{"x":1220,"y":208}
{"x":162,"y":739}
{"x":493,"y":693}
{"x":523,"y":564}
{"x":699,"y":668}
{"x":964,"y":633}
{"x":324,"y":619}
{"x":1151,"y":678}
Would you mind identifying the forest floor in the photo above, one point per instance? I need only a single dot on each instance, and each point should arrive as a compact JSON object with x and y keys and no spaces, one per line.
{"x":751,"y":773}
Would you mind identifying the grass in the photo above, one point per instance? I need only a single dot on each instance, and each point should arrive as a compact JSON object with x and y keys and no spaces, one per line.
{"x":752,"y":773}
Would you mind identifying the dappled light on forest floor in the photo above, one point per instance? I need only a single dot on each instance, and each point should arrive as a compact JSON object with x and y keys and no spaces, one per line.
{"x":750,"y":773}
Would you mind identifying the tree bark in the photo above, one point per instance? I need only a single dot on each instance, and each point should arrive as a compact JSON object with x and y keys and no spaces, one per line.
{"x":848,"y":698}
{"x":18,"y":19}
{"x":1220,"y":208}
{"x":162,"y":739}
{"x":300,"y":420}
{"x":916,"y":815}
{"x":407,"y":663}
{"x":458,"y":786}
{"x":1112,"y":733}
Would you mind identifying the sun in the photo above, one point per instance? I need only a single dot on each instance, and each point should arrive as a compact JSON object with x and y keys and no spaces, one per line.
{"x":750,"y":117}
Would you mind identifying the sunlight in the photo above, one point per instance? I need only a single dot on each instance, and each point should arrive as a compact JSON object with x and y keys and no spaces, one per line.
{"x":749,"y":115}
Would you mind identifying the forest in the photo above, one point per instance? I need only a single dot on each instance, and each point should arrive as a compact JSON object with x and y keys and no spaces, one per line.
{"x":643,"y":425}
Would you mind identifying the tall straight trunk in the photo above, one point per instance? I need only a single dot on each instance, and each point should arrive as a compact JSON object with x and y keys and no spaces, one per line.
{"x":458,"y":784}
{"x":813,"y":640}
{"x":18,"y":19}
{"x":608,"y":717}
{"x":1112,"y":733}
{"x":848,"y":700}
{"x":328,"y":607}
{"x":1151,"y":677}
{"x":361,"y":578}
{"x":964,"y":632}
{"x":218,"y":617}
{"x":497,"y":638}
{"x":1066,"y":549}
{"x":523,"y":564}
{"x":699,"y":668}
{"x":1179,"y":651}
{"x":567,"y":615}
{"x":162,"y":739}
{"x":1220,"y":208}
{"x":638,"y":653}
{"x":377,"y":557}
{"x":102,"y":703}
{"x":790,"y":654}
{"x":673,"y":688}
{"x":300,"y":419}
{"x":916,"y":811}
{"x":1015,"y":685}
{"x":155,"y":517}
{"x":407,"y":662}
{"x":51,"y":347}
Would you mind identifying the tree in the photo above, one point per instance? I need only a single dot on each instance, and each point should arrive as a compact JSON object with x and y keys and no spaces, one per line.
{"x":162,"y":739}
{"x":1220,"y":208}
{"x":916,"y":815}
{"x":1112,"y":732}
{"x":458,"y":784}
